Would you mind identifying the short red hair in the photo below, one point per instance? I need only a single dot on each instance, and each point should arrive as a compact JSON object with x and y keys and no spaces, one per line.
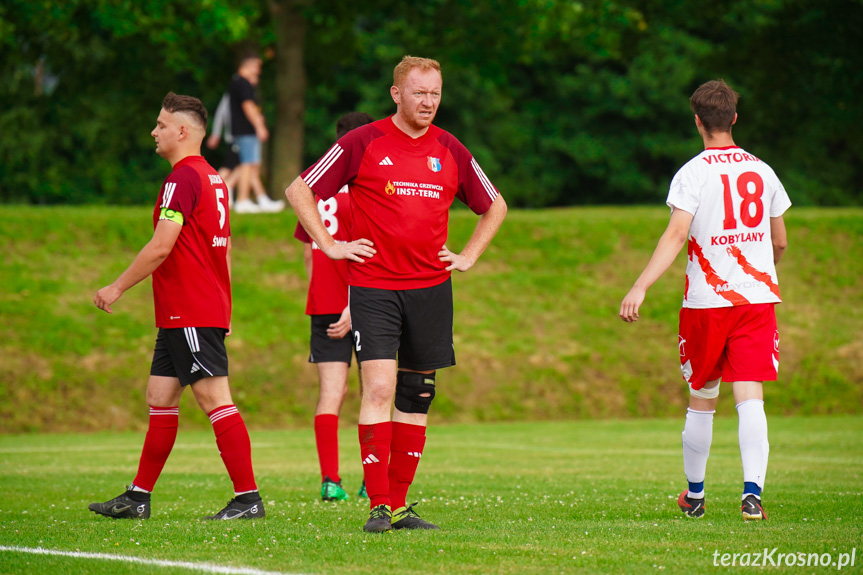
{"x":408,"y":63}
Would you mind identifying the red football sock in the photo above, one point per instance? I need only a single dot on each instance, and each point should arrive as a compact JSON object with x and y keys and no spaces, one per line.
{"x":375,"y":442}
{"x":407,"y":448}
{"x":327,"y":439}
{"x":232,"y":438}
{"x":158,"y":444}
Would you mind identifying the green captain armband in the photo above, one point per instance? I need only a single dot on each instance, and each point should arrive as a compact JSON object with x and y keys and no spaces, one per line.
{"x":171,"y":215}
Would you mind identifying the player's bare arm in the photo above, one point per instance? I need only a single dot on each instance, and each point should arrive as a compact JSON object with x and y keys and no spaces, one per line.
{"x":486,"y":229}
{"x":340,"y":328}
{"x":302,"y":199}
{"x":779,"y":238}
{"x":669,"y":245}
{"x":307,"y":261}
{"x":250,"y":109}
{"x":145,"y":263}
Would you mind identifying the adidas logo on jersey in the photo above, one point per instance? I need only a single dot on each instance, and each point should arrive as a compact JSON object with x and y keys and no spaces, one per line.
{"x":370,"y":459}
{"x":416,"y":454}
{"x":386,"y":161}
{"x":195,"y":367}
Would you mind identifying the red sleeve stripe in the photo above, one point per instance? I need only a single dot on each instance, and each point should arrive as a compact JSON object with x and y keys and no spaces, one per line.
{"x":168,"y":195}
{"x":323,"y":165}
{"x":486,"y":183}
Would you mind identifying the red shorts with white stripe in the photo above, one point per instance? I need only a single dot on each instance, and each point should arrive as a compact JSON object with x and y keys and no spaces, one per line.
{"x":739,"y":343}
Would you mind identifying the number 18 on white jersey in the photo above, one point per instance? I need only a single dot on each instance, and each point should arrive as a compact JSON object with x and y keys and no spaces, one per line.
{"x":732,"y":196}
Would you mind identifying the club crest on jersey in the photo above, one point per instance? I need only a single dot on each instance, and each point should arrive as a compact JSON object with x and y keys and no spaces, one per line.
{"x":390,"y":189}
{"x":434,"y":164}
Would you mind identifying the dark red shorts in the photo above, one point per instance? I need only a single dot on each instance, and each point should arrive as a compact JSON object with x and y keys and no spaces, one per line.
{"x":738,"y":343}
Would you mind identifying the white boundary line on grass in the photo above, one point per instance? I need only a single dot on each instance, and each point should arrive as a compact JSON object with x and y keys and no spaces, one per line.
{"x":90,"y":448}
{"x":205,"y":567}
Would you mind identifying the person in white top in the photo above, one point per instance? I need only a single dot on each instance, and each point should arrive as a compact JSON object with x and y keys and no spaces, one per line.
{"x":221,"y":130}
{"x":728,"y":204}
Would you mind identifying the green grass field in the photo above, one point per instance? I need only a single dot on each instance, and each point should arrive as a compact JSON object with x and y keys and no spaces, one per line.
{"x":536,"y":329}
{"x":576,"y":482}
{"x":533,"y":498}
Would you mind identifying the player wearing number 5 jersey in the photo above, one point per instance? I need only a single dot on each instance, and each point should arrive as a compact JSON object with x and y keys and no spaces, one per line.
{"x":189,"y":259}
{"x":729,"y":205}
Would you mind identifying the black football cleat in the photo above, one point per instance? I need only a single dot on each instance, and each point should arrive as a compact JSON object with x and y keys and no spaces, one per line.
{"x":691,"y":507}
{"x":380,"y":520}
{"x":752,"y":510}
{"x":124,"y":506}
{"x":238,"y":510}
{"x":407,"y":518}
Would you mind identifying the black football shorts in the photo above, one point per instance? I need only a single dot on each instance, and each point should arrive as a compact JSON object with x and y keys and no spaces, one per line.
{"x":326,"y":350}
{"x":413,"y":326}
{"x":190,"y":353}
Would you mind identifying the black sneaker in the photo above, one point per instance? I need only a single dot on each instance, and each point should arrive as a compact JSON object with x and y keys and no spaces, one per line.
{"x":691,"y":507}
{"x":380,"y":520}
{"x":752,"y":510}
{"x":124,"y":506}
{"x":239,"y":510}
{"x":407,"y":518}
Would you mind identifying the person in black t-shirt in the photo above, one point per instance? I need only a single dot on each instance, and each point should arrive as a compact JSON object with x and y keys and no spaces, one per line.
{"x":249,"y":130}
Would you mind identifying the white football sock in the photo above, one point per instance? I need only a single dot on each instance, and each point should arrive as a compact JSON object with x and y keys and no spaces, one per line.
{"x":697,"y":437}
{"x":754,"y":447}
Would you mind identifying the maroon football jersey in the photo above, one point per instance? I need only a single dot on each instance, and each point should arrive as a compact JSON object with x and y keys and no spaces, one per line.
{"x":192,"y":287}
{"x":401,"y":192}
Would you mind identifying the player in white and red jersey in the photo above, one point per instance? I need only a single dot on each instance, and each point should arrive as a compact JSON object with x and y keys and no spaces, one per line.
{"x":729,"y":205}
{"x":189,"y":259}
{"x":404,"y":174}
{"x":331,"y":344}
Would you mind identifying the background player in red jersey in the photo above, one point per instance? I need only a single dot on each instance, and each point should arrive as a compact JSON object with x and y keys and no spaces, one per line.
{"x":189,"y":258}
{"x":404,"y":174}
{"x":729,"y":205}
{"x":331,"y":344}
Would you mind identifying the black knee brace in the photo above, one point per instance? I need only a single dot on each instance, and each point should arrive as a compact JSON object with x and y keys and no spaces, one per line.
{"x":409,"y":389}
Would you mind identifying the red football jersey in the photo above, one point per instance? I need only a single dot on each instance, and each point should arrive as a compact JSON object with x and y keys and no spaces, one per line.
{"x":401,"y":192}
{"x":328,"y":290}
{"x":192,"y":287}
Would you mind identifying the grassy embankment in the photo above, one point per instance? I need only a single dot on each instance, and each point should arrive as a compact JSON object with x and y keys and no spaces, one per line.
{"x":537,"y":333}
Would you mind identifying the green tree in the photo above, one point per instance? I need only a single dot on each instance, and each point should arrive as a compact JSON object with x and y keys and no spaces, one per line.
{"x":82,"y":80}
{"x":562,"y":102}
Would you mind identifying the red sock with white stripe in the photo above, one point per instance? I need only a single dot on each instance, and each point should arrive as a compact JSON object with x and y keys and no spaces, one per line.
{"x":232,"y":438}
{"x":375,"y":442}
{"x":161,"y":434}
{"x":327,"y":440}
{"x":407,"y":448}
